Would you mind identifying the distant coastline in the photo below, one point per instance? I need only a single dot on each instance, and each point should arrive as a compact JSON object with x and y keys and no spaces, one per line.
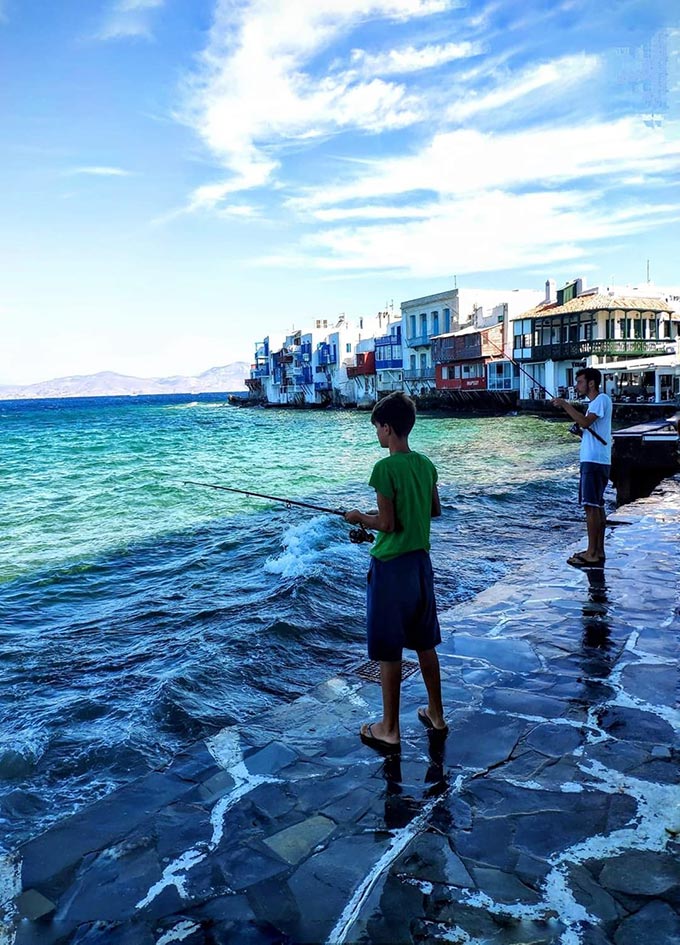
{"x":229,"y":377}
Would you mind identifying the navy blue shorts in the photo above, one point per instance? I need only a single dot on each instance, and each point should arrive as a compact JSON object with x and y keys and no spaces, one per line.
{"x":401,"y":609}
{"x":593,"y":482}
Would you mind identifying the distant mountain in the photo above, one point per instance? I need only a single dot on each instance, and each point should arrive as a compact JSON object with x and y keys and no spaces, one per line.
{"x":231,"y":377}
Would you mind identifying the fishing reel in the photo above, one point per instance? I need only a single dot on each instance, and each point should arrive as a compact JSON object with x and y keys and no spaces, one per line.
{"x":359,"y":535}
{"x":576,"y":429}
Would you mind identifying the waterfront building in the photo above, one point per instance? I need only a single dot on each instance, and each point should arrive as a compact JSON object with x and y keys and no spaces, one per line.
{"x":462,"y":358}
{"x":625,"y":333}
{"x":443,"y":313}
{"x":362,"y":373}
{"x":389,"y":362}
{"x":316,"y":367}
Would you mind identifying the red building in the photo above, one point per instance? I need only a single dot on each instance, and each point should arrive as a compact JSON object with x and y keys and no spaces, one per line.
{"x":461,"y":357}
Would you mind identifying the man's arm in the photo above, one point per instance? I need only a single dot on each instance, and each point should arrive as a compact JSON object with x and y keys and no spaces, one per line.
{"x":583,"y":421}
{"x":383,"y":521}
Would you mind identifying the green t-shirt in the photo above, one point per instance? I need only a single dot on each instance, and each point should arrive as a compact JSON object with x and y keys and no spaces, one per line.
{"x":408,"y":480}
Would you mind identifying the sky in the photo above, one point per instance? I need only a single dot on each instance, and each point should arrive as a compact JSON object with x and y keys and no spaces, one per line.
{"x":182,"y":177}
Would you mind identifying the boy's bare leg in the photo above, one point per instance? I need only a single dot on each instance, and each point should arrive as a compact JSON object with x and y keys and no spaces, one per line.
{"x":390,"y":684}
{"x":429,"y":667}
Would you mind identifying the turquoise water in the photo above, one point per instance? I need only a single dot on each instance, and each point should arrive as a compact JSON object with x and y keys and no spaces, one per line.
{"x":138,"y":613}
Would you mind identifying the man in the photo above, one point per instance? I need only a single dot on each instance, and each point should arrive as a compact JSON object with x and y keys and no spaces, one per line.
{"x":595,"y":456}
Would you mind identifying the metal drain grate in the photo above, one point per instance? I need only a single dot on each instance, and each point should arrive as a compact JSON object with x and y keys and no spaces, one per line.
{"x":371,"y":670}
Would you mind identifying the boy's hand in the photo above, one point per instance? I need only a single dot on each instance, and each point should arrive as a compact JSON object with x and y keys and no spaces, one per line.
{"x":354,"y":517}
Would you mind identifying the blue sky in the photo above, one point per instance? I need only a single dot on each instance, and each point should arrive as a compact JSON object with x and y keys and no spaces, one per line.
{"x":181,"y":177}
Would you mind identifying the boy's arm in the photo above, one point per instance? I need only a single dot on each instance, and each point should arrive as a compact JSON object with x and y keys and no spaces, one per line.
{"x":436,"y":510}
{"x":383,"y":521}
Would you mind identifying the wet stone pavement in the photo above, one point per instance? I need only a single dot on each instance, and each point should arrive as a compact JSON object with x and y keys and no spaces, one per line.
{"x":551,"y":814}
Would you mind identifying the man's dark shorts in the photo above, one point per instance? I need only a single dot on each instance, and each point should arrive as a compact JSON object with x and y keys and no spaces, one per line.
{"x":401,"y":609}
{"x":594,"y":479}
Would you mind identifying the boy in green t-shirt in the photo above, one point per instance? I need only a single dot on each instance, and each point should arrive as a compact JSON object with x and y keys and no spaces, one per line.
{"x":401,"y":609}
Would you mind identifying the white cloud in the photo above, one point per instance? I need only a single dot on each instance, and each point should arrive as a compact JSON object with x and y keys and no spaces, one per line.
{"x":128,"y":19}
{"x":100,"y":171}
{"x":478,"y":233}
{"x":463,"y":161}
{"x":412,"y":58}
{"x":256,"y":91}
{"x":560,"y":73}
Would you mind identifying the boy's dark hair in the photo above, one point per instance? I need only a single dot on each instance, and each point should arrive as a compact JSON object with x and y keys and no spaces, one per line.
{"x":397,"y":410}
{"x":591,"y":374}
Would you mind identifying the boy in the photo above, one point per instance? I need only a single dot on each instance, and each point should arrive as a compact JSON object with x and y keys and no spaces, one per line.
{"x":595,"y":457}
{"x":401,"y":610}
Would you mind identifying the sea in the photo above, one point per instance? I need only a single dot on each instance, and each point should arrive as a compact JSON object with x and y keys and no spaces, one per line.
{"x":139,"y":613}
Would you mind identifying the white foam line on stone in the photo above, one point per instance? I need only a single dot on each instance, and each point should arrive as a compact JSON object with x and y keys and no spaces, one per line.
{"x":399,"y":842}
{"x":225,"y":748}
{"x":568,"y":723}
{"x":181,"y":931}
{"x":10,"y":888}
{"x":453,"y":933}
{"x":667,"y":713}
{"x":348,"y":692}
{"x":657,"y":816}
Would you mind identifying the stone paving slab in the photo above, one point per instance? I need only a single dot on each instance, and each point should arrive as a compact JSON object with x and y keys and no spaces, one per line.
{"x":551,"y":814}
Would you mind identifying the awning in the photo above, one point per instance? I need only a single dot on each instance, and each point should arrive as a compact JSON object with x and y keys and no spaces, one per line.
{"x":640,"y":364}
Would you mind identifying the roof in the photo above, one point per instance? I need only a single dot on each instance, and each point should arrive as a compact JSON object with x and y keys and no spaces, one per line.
{"x":598,"y":302}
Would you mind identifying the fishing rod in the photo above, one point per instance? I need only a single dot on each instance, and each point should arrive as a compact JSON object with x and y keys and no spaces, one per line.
{"x":356,"y":535}
{"x":540,"y":386}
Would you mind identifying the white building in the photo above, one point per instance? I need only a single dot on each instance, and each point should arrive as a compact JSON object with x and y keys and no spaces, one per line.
{"x":445,"y":312}
{"x":629,"y":333}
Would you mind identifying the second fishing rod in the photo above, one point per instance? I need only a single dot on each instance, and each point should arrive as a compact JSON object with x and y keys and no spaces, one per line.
{"x":540,"y":386}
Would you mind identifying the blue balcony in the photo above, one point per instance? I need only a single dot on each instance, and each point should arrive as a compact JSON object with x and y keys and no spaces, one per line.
{"x":326,"y":354}
{"x":382,"y":364}
{"x":419,"y":341}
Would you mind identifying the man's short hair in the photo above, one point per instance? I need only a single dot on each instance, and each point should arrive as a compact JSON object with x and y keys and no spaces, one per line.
{"x":397,"y":410}
{"x":591,"y":374}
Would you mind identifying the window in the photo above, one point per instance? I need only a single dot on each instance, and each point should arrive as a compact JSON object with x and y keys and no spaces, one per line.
{"x":447,"y":319}
{"x":412,"y":323}
{"x":413,"y":361}
{"x":348,"y":348}
{"x":423,"y":324}
{"x":423,"y":362}
{"x":435,"y":323}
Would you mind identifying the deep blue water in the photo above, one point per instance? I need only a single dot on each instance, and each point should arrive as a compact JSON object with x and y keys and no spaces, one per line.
{"x":138,"y":614}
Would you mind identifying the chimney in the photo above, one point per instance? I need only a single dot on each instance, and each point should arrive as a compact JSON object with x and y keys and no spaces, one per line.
{"x":581,"y":285}
{"x":550,"y":290}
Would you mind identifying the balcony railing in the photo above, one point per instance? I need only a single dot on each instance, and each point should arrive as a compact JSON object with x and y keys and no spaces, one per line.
{"x":602,"y":347}
{"x":418,"y":341}
{"x":419,"y":374}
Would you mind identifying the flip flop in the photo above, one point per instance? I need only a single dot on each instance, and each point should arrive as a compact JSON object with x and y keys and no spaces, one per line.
{"x":578,"y":561}
{"x":379,"y":744}
{"x":427,"y":722}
